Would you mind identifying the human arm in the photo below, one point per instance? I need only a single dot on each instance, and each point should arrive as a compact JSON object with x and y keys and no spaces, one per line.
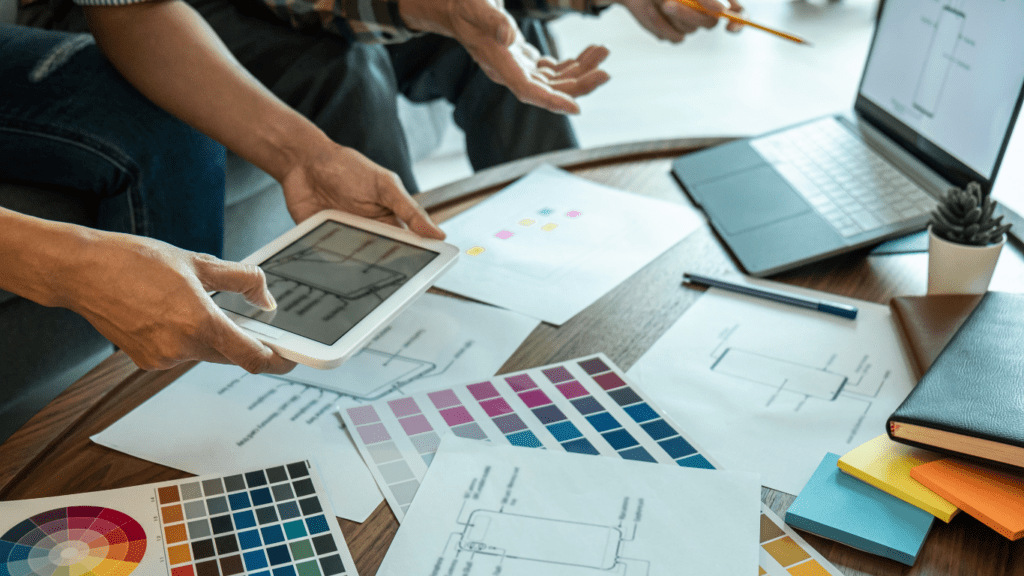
{"x":147,"y":297}
{"x":665,"y":19}
{"x":169,"y":53}
{"x":484,"y":27}
{"x":673,"y":21}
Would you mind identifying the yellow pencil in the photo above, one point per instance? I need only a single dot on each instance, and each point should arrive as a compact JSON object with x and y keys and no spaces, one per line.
{"x":734,"y":17}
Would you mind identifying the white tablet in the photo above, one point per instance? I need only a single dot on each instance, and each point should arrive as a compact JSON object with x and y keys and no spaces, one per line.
{"x":338,"y":279}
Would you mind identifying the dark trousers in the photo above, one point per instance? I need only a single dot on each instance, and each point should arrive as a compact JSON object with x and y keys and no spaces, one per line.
{"x":70,"y":122}
{"x":350,"y":90}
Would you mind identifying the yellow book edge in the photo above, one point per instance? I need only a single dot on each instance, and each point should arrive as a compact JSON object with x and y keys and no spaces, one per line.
{"x":942,"y":514}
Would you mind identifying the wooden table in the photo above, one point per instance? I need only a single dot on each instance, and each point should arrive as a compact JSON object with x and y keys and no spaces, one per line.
{"x":52,"y":455}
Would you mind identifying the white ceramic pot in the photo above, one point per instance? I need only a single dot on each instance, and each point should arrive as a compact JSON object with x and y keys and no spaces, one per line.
{"x":960,"y":269}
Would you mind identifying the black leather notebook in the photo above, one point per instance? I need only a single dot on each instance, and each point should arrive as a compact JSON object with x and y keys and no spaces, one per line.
{"x":970,"y":402}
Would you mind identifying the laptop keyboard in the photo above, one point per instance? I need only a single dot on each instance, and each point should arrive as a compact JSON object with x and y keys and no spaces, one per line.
{"x":848,"y":183}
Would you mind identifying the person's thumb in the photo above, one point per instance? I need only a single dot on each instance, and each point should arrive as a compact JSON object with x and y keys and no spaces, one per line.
{"x":245,"y":279}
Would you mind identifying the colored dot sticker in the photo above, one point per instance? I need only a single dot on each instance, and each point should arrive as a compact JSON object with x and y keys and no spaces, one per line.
{"x":549,"y":227}
{"x":574,"y":213}
{"x":475,"y":251}
{"x":527,"y":222}
{"x":504,"y":235}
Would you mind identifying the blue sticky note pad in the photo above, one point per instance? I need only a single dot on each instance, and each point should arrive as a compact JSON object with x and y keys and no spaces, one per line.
{"x":840,"y":507}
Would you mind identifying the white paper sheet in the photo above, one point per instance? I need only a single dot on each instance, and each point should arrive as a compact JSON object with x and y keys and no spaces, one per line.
{"x":770,"y":387}
{"x":487,"y":509}
{"x":551,"y":244}
{"x":219,"y":417}
{"x":437,"y":341}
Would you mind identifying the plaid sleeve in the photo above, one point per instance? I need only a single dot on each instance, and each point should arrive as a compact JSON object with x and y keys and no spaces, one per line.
{"x":368,"y":21}
{"x":548,"y":9}
{"x":108,"y":2}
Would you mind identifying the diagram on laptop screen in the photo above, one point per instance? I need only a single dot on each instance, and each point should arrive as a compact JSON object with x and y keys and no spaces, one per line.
{"x":489,"y":538}
{"x":945,"y":50}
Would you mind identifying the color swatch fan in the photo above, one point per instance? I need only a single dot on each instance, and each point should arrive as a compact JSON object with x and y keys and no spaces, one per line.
{"x":72,"y":541}
{"x":270,"y":522}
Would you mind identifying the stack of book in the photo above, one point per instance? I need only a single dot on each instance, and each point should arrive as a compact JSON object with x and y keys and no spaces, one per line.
{"x":956,"y":443}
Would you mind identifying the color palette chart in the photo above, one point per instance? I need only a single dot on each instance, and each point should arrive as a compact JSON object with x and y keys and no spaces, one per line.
{"x":785,"y":553}
{"x":73,"y":540}
{"x":269,"y":522}
{"x":584,"y":406}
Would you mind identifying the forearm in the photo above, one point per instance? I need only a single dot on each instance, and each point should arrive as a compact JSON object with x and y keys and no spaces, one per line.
{"x":40,"y":257}
{"x":167,"y":51}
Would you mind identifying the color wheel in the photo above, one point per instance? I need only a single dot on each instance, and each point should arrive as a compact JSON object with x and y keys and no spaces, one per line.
{"x":73,"y":541}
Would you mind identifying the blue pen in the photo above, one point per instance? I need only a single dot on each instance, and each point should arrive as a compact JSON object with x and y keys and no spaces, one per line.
{"x":835,"y":308}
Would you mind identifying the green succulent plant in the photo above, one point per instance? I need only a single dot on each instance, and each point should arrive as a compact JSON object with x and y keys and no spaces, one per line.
{"x":964,"y":216}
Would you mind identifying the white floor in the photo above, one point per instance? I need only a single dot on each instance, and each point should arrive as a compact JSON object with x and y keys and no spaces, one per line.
{"x":714,"y":83}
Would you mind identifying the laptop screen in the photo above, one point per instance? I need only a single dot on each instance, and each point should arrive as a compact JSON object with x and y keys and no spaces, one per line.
{"x":951,"y":71}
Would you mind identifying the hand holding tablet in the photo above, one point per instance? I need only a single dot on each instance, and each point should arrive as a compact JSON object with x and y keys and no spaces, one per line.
{"x":338,"y":279}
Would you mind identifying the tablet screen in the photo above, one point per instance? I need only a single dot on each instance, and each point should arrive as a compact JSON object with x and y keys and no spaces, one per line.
{"x":330,"y":279}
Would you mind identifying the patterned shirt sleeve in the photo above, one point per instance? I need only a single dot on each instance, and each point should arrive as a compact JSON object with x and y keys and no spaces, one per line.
{"x":548,"y":9}
{"x":108,"y":2}
{"x":367,"y":21}
{"x":375,"y":21}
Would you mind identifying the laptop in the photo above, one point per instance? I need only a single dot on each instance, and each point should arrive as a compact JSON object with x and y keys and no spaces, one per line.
{"x":938,"y":98}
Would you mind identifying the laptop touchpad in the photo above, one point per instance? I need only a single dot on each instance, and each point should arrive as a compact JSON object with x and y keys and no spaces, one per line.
{"x":749,"y":199}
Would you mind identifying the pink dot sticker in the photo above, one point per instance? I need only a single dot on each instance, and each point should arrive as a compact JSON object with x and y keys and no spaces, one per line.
{"x":574,"y":213}
{"x":504,"y":235}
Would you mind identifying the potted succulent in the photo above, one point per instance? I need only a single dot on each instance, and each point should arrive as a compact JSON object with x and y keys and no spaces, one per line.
{"x":964,"y":242}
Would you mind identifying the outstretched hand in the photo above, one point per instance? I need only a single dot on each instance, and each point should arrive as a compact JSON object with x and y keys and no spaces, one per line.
{"x":494,"y":41}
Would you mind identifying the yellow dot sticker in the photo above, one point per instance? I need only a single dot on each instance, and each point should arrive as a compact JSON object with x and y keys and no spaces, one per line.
{"x":475,"y":250}
{"x":549,"y":227}
{"x":527,"y":222}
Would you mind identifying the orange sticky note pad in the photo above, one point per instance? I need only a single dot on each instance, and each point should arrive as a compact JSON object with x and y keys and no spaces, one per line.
{"x":994,"y":497}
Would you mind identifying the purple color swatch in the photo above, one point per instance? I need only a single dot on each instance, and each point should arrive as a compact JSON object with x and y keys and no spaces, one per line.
{"x":495,"y":407}
{"x":509,"y":423}
{"x":534,"y":398}
{"x":572,"y":389}
{"x":363,"y":415}
{"x":404,"y":407}
{"x":594,"y":366}
{"x":373,"y":433}
{"x":415,"y":424}
{"x":444,"y":398}
{"x":610,"y":381}
{"x":483,"y":390}
{"x":557,"y":374}
{"x":520,"y":382}
{"x":457,"y":415}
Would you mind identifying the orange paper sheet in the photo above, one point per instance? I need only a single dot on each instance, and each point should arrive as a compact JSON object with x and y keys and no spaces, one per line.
{"x":993,"y":497}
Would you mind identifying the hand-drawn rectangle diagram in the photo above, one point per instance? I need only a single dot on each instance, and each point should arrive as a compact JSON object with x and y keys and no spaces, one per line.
{"x":491,"y":539}
{"x":832,"y":376}
{"x":499,"y":534}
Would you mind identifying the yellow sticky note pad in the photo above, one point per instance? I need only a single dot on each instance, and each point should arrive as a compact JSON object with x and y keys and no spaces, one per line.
{"x":886,"y":465}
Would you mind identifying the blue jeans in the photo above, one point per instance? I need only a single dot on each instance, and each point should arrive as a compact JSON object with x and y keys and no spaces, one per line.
{"x":69,"y":121}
